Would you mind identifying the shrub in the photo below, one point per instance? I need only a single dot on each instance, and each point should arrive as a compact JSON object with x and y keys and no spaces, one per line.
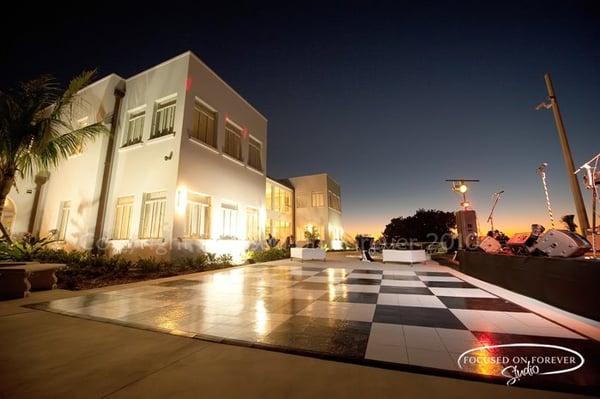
{"x":25,"y":248}
{"x":268,"y":255}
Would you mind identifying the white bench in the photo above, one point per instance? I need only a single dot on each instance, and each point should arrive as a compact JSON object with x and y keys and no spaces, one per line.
{"x":404,"y":256}
{"x":307,"y":254}
{"x":17,"y":279}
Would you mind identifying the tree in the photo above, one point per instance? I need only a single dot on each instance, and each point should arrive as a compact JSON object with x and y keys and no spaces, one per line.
{"x":36,"y":131}
{"x":423,"y":226}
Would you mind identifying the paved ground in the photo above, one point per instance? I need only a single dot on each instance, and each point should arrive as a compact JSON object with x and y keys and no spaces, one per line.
{"x":49,"y":355}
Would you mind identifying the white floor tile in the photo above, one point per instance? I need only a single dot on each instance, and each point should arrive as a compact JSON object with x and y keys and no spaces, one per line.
{"x":423,"y":338}
{"x":457,"y":340}
{"x":430,"y":358}
{"x":387,"y":334}
{"x":386,"y":353}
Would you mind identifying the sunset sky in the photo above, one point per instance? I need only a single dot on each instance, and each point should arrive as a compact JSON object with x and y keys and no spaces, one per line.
{"x":390,"y":99}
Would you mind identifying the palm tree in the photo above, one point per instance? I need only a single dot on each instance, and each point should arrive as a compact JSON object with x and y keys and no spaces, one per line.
{"x":35,"y":129}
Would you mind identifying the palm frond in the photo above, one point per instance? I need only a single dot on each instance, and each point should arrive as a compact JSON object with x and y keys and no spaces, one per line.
{"x":36,"y":130}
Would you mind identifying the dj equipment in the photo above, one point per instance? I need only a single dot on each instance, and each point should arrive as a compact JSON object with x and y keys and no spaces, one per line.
{"x":523,"y":243}
{"x":466,"y":224}
{"x":490,"y":245}
{"x":562,"y":243}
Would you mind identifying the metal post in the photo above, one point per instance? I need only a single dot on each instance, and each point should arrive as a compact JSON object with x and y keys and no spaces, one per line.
{"x":566,"y":150}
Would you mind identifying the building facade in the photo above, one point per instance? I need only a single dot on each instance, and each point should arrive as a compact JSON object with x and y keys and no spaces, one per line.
{"x":183,"y":171}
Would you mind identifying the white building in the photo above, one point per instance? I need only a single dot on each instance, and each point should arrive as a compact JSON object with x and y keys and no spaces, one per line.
{"x":185,"y":170}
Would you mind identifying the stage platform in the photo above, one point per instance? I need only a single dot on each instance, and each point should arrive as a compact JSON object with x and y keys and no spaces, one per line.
{"x":569,"y":284}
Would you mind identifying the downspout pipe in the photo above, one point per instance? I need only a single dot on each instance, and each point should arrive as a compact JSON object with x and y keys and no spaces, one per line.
{"x":40,"y":179}
{"x":98,"y":246}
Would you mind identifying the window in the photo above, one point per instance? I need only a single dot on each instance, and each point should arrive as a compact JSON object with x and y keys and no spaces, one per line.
{"x":252,"y":229}
{"x":334,"y":201}
{"x":63,"y":220}
{"x":164,"y":119}
{"x":153,"y":215}
{"x":254,"y":151}
{"x":205,"y":127}
{"x":269,"y":197}
{"x":229,"y":215}
{"x":317,"y":199}
{"x":301,"y":201}
{"x":123,"y":218}
{"x":280,"y":229}
{"x":233,"y":141}
{"x":287,"y":199}
{"x":197,"y":216}
{"x":135,"y":128}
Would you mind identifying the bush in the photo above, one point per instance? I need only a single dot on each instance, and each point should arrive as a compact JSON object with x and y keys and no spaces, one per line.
{"x":85,"y":270}
{"x":268,"y":255}
{"x":25,"y":248}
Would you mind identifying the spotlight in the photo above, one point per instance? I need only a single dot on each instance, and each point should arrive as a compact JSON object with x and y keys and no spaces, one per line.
{"x":463,"y":188}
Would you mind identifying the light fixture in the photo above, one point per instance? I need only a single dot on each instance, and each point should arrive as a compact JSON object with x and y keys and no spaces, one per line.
{"x":460,"y":187}
{"x":181,"y":200}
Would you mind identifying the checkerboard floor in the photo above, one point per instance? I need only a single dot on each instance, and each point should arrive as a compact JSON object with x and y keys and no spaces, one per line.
{"x":383,"y":314}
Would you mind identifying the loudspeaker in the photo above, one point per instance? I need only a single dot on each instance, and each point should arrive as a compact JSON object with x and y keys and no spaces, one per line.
{"x":490,"y":245}
{"x":562,"y":243}
{"x":466,"y":224}
{"x":518,"y":240}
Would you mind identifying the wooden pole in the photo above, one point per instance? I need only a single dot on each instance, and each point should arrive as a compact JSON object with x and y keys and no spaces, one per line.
{"x":566,"y":150}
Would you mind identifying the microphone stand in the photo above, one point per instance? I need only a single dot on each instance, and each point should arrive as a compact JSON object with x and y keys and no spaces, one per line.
{"x":591,"y":185}
{"x":490,"y":218}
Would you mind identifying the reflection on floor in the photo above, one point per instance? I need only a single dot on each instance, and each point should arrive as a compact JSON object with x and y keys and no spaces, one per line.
{"x":421,"y":315}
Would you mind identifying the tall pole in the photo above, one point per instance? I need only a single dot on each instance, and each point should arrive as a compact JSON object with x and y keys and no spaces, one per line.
{"x":566,"y":150}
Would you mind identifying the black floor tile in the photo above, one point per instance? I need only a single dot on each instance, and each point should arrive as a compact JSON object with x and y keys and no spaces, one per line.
{"x":312,"y":269}
{"x":439,"y":274}
{"x":354,"y":297}
{"x":497,"y":304}
{"x":337,"y":273}
{"x":285,"y":306}
{"x":448,"y":284}
{"x":406,"y":278}
{"x":367,"y":271}
{"x":334,"y":337}
{"x":386,"y":289}
{"x":179,"y":283}
{"x":362,"y":281}
{"x":416,"y":316}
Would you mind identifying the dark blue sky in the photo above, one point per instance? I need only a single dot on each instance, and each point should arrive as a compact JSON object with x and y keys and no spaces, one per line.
{"x":389,"y":98}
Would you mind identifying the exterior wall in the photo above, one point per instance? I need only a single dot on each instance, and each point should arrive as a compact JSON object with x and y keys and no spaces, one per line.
{"x":152,"y":165}
{"x":335,"y":231}
{"x":22,"y":201}
{"x":176,"y":164}
{"x":77,"y":179}
{"x":207,"y":170}
{"x":322,"y":217}
{"x":278,"y":215}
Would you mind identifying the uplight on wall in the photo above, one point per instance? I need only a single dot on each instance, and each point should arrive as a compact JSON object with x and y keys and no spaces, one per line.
{"x":181,"y":200}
